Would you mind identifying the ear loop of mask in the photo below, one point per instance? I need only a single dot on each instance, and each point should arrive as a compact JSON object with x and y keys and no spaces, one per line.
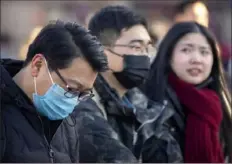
{"x":114,"y":54}
{"x":48,"y":74}
{"x":35,"y":85}
{"x":49,"y":71}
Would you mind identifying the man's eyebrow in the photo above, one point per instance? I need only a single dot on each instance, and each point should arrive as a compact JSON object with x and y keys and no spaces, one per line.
{"x":74,"y":83}
{"x":140,"y":41}
{"x":136,"y":41}
{"x":78,"y":85}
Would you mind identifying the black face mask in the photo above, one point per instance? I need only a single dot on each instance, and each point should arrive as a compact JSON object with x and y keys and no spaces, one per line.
{"x":135,"y":70}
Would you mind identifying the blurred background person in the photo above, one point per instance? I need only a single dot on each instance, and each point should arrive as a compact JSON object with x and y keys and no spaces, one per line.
{"x":160,"y":14}
{"x":192,"y":10}
{"x":182,"y":10}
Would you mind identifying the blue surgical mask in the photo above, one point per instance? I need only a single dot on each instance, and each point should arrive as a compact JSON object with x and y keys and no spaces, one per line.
{"x":54,"y":104}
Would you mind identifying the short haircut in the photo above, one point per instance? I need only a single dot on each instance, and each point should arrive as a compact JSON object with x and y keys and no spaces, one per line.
{"x":108,"y":23}
{"x":62,"y":42}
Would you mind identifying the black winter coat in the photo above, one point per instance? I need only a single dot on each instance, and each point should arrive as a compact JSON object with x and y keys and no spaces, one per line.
{"x":27,"y":137}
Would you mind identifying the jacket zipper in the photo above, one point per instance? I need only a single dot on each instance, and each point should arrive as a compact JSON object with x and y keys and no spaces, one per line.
{"x":50,"y":151}
{"x":51,"y":154}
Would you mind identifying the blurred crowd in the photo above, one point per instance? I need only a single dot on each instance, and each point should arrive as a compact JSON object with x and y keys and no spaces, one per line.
{"x":18,"y":32}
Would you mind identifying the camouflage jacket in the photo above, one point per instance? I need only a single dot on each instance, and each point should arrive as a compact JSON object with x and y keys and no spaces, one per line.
{"x":159,"y":138}
{"x":101,"y":135}
{"x":110,"y":131}
{"x":99,"y":143}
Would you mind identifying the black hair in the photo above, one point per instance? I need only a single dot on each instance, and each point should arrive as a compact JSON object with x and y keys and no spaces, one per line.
{"x":62,"y":42}
{"x":183,"y":5}
{"x":108,"y":23}
{"x":157,"y":82}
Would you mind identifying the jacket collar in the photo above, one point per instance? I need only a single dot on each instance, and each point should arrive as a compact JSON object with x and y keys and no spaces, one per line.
{"x":110,"y":99}
{"x":12,"y":93}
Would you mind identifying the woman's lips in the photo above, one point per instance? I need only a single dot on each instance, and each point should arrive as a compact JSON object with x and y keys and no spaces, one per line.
{"x":194,"y":71}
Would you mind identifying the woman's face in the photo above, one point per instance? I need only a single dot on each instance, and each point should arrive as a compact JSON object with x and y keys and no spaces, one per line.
{"x":192,"y":58}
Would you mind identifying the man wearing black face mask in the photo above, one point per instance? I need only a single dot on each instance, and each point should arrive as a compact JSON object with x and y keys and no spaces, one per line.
{"x":108,"y":124}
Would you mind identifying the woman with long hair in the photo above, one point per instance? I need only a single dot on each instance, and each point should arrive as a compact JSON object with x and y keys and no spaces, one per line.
{"x":187,"y":75}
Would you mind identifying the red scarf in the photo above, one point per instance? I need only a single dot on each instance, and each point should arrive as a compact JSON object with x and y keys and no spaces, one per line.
{"x":204,"y":115}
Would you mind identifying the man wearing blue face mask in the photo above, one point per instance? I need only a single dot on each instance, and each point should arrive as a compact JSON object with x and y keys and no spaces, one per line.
{"x":38,"y":124}
{"x":56,"y":103}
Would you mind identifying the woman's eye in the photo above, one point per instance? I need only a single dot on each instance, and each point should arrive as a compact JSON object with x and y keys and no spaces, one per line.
{"x":186,"y":50}
{"x":204,"y":53}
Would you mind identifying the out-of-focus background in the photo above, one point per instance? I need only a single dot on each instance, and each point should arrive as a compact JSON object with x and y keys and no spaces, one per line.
{"x":22,"y":20}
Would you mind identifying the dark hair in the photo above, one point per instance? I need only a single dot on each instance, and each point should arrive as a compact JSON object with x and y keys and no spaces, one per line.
{"x":62,"y":42}
{"x":108,"y":23}
{"x":157,"y":83}
{"x":183,"y":5}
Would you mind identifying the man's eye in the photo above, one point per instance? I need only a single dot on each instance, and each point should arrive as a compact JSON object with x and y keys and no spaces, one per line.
{"x":72,"y":89}
{"x":136,"y":48}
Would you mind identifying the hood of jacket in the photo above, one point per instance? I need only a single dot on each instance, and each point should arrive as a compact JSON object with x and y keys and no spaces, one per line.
{"x":10,"y":91}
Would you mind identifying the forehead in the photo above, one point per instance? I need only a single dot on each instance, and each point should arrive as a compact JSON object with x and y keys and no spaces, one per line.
{"x":137,"y":32}
{"x":194,"y":39}
{"x":80,"y":72}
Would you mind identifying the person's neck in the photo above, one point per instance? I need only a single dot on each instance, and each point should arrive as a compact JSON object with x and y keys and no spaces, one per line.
{"x":114,"y":83}
{"x":21,"y":79}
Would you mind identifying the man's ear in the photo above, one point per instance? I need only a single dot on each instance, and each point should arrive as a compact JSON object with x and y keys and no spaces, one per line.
{"x":36,"y":64}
